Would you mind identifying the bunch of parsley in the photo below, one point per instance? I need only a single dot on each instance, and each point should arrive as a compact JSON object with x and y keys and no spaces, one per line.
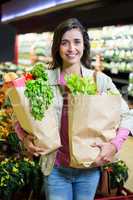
{"x":39,"y":92}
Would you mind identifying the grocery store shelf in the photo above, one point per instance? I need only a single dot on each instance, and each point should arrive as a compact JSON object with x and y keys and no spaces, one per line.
{"x":8,"y":70}
{"x":122,"y":81}
{"x":120,"y":77}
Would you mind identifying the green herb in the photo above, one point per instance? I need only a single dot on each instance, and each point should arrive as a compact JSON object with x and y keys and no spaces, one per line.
{"x":39,"y":92}
{"x":81,"y":85}
{"x":39,"y":71}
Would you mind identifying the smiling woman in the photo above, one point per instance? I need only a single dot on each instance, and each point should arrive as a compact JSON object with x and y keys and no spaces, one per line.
{"x":73,"y":39}
{"x":71,"y":55}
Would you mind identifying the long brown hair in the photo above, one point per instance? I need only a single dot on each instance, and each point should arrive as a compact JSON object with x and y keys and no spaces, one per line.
{"x":69,"y":24}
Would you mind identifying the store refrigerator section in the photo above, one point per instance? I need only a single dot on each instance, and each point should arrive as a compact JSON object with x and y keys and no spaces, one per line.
{"x":33,"y":45}
{"x":115,"y":45}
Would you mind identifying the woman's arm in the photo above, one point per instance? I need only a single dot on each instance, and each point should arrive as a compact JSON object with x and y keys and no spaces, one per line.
{"x":121,"y":136}
{"x":19,"y":131}
{"x":109,"y":149}
{"x":125,"y":122}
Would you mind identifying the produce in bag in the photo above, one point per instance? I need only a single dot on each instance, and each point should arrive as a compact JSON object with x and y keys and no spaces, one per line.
{"x":92,"y":117}
{"x":32,"y":99}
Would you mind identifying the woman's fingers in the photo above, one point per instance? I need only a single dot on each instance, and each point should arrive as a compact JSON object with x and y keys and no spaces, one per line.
{"x":97,"y":144}
{"x":31,"y":147}
{"x":106,"y":155}
{"x":35,"y":149}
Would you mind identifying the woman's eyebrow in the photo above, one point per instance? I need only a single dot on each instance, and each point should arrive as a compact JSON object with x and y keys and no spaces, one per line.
{"x":68,"y":39}
{"x":64,"y":40}
{"x":77,"y":39}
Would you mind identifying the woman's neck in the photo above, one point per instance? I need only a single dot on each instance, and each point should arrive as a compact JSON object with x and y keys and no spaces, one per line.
{"x":74,"y":69}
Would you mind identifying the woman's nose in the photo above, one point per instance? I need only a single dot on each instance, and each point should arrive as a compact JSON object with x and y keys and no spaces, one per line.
{"x":71,"y":46}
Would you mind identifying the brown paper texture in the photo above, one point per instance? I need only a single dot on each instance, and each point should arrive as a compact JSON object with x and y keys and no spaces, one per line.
{"x":46,"y":130}
{"x":91,"y":119}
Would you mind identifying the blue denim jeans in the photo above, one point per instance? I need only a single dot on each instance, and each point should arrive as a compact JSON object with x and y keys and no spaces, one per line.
{"x":71,"y":184}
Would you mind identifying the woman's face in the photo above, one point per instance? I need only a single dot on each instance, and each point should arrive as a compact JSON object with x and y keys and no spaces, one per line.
{"x":71,"y":47}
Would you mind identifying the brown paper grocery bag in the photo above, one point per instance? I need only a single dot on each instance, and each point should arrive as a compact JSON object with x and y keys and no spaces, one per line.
{"x":46,"y":130}
{"x":91,"y":119}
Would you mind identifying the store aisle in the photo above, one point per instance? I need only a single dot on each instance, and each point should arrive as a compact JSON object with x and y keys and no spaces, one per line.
{"x":126,"y":154}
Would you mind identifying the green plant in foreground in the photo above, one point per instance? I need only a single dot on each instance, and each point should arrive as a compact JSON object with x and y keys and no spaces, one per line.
{"x":118,"y":173}
{"x":15,"y":174}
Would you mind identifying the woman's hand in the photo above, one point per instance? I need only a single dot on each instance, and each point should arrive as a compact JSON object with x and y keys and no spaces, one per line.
{"x":31,"y":147}
{"x":108,"y":150}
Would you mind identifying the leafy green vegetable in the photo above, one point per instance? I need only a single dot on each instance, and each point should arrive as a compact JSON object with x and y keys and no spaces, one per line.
{"x":39,"y":71}
{"x":39,"y":92}
{"x":81,"y":85}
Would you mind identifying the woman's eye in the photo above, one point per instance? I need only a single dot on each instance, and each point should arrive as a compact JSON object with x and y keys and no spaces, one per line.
{"x":77,"y":42}
{"x":63,"y":43}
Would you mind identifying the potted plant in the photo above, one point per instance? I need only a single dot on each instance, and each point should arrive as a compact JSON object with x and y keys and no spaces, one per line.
{"x":118,"y":172}
{"x":114,"y":175}
{"x":15,"y":174}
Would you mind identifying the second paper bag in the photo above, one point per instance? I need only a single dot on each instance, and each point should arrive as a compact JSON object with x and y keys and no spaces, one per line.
{"x":91,"y":119}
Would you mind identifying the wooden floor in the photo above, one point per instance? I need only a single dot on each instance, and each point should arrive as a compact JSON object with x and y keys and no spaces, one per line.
{"x":126,"y":154}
